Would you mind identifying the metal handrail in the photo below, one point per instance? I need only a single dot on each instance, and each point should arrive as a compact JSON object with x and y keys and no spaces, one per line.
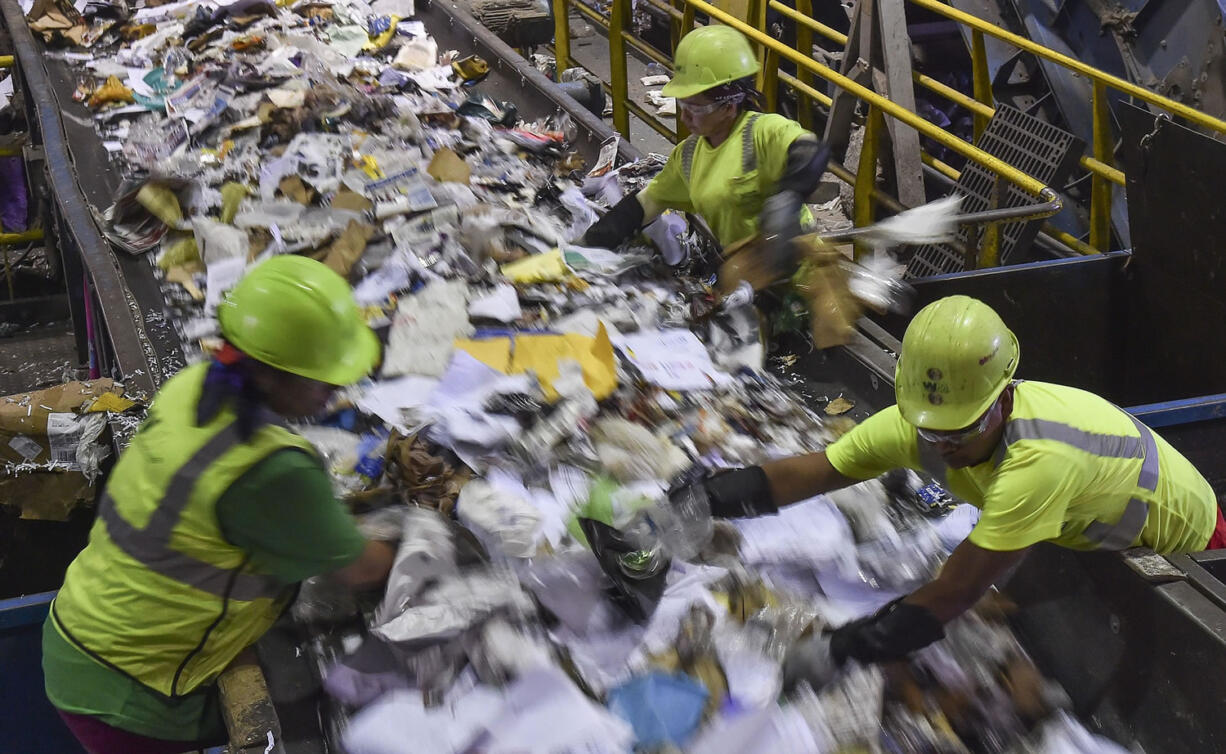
{"x":981,"y":105}
{"x":1048,"y":204}
{"x":977,"y":108}
{"x":887,"y":106}
{"x":1073,"y":64}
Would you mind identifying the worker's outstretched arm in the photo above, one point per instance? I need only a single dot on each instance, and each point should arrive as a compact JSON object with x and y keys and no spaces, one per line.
{"x":802,"y":477}
{"x":964,"y":579}
{"x":761,"y":490}
{"x":918,"y":619}
{"x":371,"y":567}
{"x":905,"y":625}
{"x":622,"y":221}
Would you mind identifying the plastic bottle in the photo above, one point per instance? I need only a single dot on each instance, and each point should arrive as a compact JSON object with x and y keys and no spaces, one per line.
{"x":685,"y":523}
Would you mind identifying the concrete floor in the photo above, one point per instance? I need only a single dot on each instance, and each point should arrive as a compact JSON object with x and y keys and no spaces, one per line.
{"x":41,"y":357}
{"x":590,"y":48}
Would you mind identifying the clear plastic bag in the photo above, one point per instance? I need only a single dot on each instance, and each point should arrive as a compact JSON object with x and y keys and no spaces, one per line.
{"x":426,"y":553}
{"x":324,"y":599}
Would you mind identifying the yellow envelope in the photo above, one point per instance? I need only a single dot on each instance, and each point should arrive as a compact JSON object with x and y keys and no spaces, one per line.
{"x":541,"y":353}
{"x":495,"y":353}
{"x":232,"y":195}
{"x":540,"y":268}
{"x":111,"y":402}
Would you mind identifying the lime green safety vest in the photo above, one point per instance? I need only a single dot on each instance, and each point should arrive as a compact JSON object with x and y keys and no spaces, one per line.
{"x":158,"y":593}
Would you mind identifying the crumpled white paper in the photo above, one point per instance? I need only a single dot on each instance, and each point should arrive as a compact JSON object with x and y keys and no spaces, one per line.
{"x":425,"y":328}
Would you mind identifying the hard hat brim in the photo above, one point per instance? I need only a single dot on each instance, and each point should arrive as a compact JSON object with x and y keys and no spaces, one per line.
{"x":683,"y":89}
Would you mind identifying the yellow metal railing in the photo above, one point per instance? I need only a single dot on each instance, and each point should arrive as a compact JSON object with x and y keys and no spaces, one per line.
{"x":981,"y":105}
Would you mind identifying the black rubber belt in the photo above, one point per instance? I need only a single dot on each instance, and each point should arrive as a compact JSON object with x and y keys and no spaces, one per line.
{"x":96,"y":252}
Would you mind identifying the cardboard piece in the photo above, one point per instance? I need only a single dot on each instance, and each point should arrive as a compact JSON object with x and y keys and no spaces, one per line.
{"x":161,"y":202}
{"x":184,"y":275}
{"x":833,"y":310}
{"x":232,"y":195}
{"x":348,"y":247}
{"x":294,"y":188}
{"x":746,"y":260}
{"x":352,"y":201}
{"x":822,"y":282}
{"x":31,"y":431}
{"x":447,"y":166}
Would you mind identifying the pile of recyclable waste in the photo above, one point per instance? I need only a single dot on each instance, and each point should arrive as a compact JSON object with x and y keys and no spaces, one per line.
{"x":536,"y":403}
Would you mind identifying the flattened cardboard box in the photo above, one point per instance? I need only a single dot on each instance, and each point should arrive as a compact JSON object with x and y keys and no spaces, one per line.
{"x":28,"y":442}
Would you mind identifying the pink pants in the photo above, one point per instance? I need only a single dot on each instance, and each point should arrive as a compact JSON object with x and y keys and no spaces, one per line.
{"x":99,"y":738}
{"x":1217,"y":541}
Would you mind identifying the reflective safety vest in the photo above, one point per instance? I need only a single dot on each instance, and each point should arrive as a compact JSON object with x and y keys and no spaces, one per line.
{"x":159,"y":593}
{"x":727,"y":185}
{"x":1124,"y":484}
{"x":749,"y":155}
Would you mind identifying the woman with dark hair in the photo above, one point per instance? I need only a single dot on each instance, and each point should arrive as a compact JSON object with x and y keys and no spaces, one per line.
{"x":211,"y":516}
{"x":743,"y":171}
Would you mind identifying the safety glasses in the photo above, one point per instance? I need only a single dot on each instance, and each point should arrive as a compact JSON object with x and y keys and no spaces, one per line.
{"x":700,"y":111}
{"x":959,"y":436}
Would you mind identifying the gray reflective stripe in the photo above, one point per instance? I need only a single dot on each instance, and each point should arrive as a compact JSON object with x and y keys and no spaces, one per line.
{"x":749,"y":155}
{"x":687,"y":156}
{"x":930,"y":460}
{"x":150,"y":545}
{"x":1148,"y":479}
{"x":162,"y":559}
{"x":179,"y":491}
{"x":1107,"y":446}
{"x":1123,"y":533}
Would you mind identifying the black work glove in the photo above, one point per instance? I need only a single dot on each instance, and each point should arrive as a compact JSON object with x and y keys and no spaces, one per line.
{"x":737,"y":493}
{"x":780,"y":223}
{"x":892,"y":633}
{"x":617,"y":225}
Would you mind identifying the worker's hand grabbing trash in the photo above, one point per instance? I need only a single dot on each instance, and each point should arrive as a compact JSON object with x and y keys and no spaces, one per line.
{"x":732,"y":493}
{"x":890,"y":634}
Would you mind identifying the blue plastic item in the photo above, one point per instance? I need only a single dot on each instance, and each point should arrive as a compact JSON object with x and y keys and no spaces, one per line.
{"x":370,"y":462}
{"x":660,"y":707}
{"x":933,"y":498}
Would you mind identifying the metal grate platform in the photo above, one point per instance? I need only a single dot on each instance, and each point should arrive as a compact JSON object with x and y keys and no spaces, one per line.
{"x":1033,"y":146}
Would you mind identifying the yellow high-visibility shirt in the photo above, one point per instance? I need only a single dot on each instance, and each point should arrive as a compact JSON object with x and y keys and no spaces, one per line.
{"x":1072,"y":469}
{"x":719,"y":188}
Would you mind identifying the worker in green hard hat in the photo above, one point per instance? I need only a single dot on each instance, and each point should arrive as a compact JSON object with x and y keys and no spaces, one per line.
{"x":1043,"y":463}
{"x":209,"y":519}
{"x":743,"y":171}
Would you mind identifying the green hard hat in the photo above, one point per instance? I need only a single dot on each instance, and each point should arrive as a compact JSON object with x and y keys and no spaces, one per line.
{"x":299,"y":316}
{"x":957,"y":357}
{"x":707,"y":57}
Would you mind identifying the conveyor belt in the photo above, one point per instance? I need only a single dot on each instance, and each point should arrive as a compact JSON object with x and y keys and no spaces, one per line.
{"x":83,"y":179}
{"x":146,"y":350}
{"x":78,"y":177}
